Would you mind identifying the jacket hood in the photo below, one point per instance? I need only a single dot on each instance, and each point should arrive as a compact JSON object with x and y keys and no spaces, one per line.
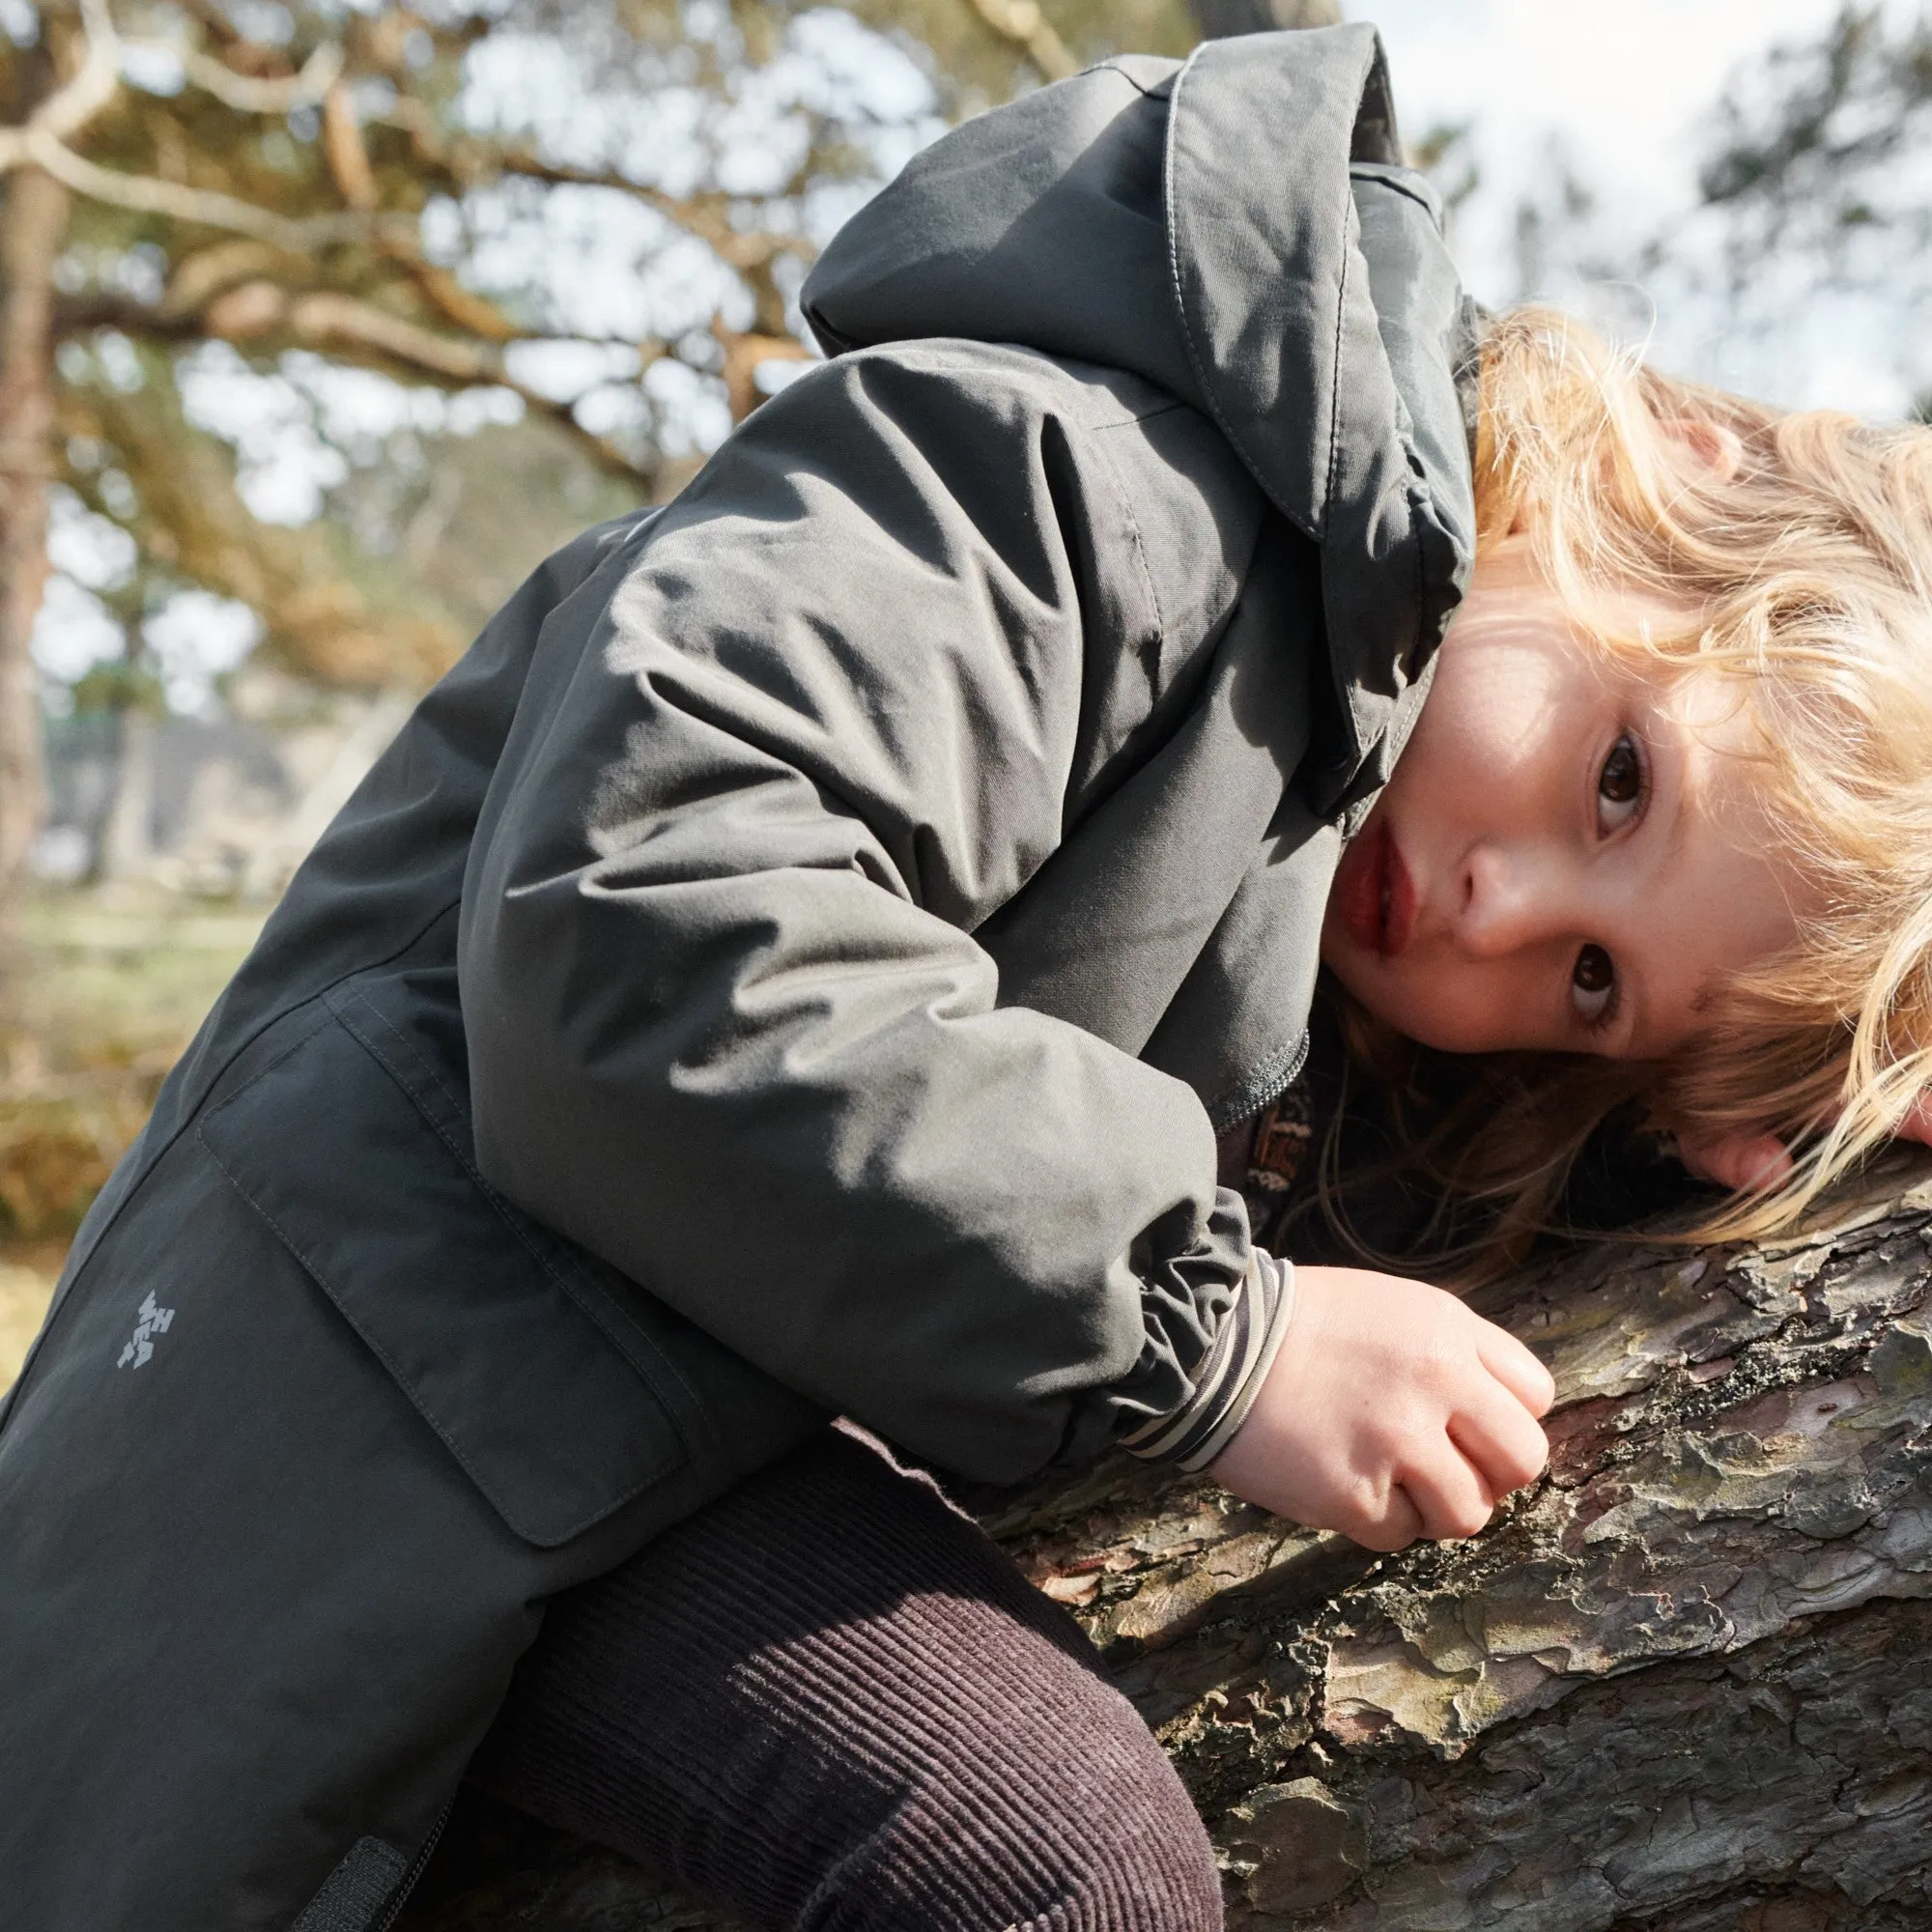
{"x":1241,"y":231}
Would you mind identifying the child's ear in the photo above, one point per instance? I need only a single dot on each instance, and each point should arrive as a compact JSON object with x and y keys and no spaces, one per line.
{"x":1714,"y":454}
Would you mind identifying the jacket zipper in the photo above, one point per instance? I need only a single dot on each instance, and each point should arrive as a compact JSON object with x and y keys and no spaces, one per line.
{"x":1277,"y":1085}
{"x":400,"y":1897}
{"x":1294,"y":1067}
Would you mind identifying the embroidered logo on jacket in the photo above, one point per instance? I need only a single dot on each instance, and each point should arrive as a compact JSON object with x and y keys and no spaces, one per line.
{"x":141,"y":1344}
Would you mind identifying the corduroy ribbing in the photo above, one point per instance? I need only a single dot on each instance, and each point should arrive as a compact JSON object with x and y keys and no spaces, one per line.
{"x":829,"y":1702}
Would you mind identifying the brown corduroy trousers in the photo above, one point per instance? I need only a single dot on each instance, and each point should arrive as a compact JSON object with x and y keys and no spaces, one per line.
{"x":830,"y":1703}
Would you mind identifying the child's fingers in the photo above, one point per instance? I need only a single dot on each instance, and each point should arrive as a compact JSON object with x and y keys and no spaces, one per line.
{"x":1450,"y":1495}
{"x":1516,"y":1368}
{"x":1737,"y":1161}
{"x":1507,"y":1447}
{"x":1394,"y":1527}
{"x":1747,"y":1160}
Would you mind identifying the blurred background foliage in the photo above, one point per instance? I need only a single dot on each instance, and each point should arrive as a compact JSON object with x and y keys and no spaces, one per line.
{"x":358,"y":312}
{"x":320,"y":325}
{"x":322,"y":321}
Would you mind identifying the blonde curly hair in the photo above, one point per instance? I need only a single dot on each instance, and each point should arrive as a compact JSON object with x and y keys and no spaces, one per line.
{"x":1800,"y":549}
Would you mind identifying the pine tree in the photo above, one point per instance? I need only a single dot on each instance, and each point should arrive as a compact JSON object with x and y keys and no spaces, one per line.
{"x":305,"y":186}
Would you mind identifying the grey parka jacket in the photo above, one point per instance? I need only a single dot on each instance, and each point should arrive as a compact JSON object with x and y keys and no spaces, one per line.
{"x":796,"y":963}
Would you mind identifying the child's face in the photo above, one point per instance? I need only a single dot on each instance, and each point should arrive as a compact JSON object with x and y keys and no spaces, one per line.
{"x":1564,"y":859}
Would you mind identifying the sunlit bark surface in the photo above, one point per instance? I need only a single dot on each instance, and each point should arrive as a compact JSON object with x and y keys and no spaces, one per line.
{"x":1686,"y":1683}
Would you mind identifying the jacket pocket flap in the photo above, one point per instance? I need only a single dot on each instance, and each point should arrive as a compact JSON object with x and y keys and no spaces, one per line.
{"x":468,"y":1304}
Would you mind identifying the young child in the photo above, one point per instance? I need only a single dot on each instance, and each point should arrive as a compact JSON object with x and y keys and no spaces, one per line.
{"x":1737,"y":600}
{"x":797,"y":965}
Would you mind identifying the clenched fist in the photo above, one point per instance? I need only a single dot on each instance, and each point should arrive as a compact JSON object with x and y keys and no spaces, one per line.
{"x":1391,"y":1413}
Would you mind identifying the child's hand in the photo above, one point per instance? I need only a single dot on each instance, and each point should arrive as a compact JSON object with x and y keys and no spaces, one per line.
{"x":1391,"y":1413}
{"x":1748,"y":1160}
{"x":1737,"y":1161}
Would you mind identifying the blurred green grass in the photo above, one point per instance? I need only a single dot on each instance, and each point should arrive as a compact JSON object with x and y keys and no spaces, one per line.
{"x":107,"y":989}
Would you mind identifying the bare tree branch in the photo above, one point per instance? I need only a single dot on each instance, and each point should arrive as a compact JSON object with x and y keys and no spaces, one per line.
{"x":42,"y":143}
{"x":260,"y":305}
{"x":199,"y":277}
{"x":745,"y":355}
{"x":83,"y":315}
{"x":342,"y":148}
{"x":263,"y":277}
{"x":243,"y":91}
{"x":78,"y":101}
{"x":263,"y":308}
{"x":145,"y":194}
{"x":605,"y":454}
{"x":463,"y":306}
{"x":467,"y":162}
{"x":1022,"y":22}
{"x":324,"y":318}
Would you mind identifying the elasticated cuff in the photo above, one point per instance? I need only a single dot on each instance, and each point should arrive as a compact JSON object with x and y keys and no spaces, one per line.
{"x":1232,"y":1375}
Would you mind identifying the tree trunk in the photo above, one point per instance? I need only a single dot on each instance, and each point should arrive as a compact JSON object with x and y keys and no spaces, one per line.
{"x":33,"y":224}
{"x":1682,"y":1684}
{"x":127,"y":838}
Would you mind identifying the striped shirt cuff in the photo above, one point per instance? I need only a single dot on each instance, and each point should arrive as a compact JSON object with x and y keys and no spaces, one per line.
{"x":1231,"y":1376}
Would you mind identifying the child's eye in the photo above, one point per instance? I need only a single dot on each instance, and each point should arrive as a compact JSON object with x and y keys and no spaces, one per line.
{"x":1620,"y":784}
{"x":1593,"y":985}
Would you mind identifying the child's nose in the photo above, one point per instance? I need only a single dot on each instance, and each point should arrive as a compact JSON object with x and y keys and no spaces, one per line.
{"x":1509,"y":902}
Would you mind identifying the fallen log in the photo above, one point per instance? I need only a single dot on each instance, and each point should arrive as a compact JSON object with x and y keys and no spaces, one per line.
{"x":1682,"y":1684}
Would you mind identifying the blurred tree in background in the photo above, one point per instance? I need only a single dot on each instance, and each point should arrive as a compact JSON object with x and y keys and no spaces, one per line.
{"x":1800,"y":259}
{"x":464,"y":276}
{"x":322,"y":319}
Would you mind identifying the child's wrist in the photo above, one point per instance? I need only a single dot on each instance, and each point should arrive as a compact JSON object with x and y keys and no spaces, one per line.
{"x":1230,"y":1374}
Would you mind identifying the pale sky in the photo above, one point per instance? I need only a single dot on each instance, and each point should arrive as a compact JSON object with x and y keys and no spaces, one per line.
{"x":1629,"y":88}
{"x":1625,"y":83}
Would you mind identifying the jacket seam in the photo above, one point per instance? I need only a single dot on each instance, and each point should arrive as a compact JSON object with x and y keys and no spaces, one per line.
{"x":1316,"y":530}
{"x":1411,"y":665}
{"x":1415,"y":491}
{"x":1180,"y":294}
{"x":1264,"y":1085}
{"x":1139,"y":416}
{"x":1335,"y":383}
{"x":1111,"y":66}
{"x":1133,"y":529}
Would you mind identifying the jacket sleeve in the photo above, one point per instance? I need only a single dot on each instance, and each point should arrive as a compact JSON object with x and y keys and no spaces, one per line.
{"x":728,"y":1025}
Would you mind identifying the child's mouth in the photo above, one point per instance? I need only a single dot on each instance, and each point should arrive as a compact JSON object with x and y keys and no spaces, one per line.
{"x":1375,"y":893}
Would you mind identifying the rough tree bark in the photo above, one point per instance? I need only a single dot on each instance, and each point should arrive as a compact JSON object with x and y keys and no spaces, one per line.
{"x":1682,"y":1684}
